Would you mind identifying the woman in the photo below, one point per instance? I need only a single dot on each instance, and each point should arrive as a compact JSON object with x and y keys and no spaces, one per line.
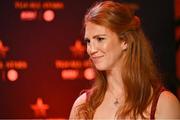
{"x":126,"y":86}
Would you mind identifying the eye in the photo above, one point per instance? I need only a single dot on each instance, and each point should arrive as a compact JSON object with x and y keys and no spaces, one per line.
{"x":86,"y":41}
{"x":99,"y":39}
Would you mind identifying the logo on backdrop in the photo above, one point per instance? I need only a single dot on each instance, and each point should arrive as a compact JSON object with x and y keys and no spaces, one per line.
{"x":9,"y":67}
{"x":76,"y":68}
{"x":38,"y":10}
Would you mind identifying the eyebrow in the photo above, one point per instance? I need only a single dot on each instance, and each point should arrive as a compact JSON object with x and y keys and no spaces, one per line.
{"x":94,"y":37}
{"x":98,"y":35}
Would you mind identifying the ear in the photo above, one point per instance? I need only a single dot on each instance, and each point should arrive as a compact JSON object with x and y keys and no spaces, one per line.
{"x":124,"y":45}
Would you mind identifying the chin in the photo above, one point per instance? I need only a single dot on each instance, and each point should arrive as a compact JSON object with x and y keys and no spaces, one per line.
{"x":101,"y":67}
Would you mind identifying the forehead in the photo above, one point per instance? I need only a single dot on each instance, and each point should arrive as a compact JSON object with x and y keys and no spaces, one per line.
{"x":92,"y":29}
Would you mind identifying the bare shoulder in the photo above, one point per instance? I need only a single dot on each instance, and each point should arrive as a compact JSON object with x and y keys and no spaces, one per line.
{"x":168,"y":106}
{"x":80,"y":100}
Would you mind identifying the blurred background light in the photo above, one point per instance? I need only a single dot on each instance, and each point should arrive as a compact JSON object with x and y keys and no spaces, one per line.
{"x":49,"y":15}
{"x":28,"y":15}
{"x":70,"y":74}
{"x":12,"y":75}
{"x":89,"y":73}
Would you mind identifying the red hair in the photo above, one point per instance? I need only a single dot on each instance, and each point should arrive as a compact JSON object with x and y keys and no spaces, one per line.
{"x":140,"y":76}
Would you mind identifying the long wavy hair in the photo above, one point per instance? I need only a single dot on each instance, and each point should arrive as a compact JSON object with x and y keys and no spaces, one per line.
{"x":140,"y":75}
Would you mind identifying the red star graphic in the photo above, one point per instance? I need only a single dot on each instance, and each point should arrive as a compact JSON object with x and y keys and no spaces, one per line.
{"x":40,"y":108}
{"x":77,"y":49}
{"x":3,"y":49}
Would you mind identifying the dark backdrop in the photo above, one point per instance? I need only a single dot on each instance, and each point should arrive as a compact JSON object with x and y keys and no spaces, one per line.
{"x":40,"y":43}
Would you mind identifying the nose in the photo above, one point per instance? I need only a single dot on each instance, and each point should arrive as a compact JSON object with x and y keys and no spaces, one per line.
{"x":92,"y":49}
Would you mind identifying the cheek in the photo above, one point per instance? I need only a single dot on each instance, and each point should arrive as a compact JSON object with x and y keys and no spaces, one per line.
{"x":108,"y":47}
{"x":87,"y":50}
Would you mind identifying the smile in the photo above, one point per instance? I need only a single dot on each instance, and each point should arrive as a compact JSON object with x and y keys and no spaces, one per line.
{"x":96,"y":58}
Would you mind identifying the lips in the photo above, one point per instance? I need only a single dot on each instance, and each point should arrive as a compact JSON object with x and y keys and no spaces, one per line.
{"x":96,"y":58}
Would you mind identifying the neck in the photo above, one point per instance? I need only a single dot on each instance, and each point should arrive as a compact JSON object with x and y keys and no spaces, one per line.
{"x":115,"y":84}
{"x":114,"y":77}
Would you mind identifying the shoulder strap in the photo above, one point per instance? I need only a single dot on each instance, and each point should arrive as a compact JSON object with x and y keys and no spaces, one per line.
{"x":154,"y":103}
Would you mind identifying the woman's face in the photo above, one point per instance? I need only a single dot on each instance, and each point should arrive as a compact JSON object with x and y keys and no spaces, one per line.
{"x":103,"y":46}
